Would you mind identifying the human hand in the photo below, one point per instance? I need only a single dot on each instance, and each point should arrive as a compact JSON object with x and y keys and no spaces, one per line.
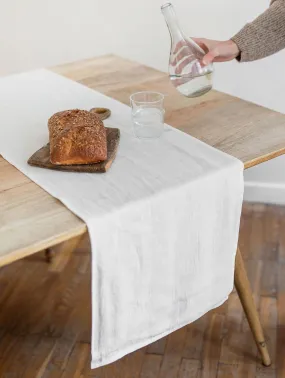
{"x":217,"y":51}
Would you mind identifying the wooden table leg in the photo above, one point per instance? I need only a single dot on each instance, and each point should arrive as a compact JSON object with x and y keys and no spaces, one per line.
{"x":244,"y":291}
{"x":63,"y":253}
{"x":49,"y":254}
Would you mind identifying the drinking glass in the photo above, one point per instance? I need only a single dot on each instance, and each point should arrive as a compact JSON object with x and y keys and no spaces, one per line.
{"x":147,"y":114}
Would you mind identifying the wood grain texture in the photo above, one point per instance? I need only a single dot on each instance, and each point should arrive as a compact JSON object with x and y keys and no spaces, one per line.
{"x":45,"y":323}
{"x":247,"y":131}
{"x":41,"y":158}
{"x":30,"y":220}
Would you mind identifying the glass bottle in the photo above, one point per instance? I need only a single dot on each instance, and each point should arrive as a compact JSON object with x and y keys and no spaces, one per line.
{"x":187,"y":73}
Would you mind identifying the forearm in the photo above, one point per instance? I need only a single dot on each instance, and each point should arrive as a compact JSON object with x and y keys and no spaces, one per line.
{"x":264,"y":36}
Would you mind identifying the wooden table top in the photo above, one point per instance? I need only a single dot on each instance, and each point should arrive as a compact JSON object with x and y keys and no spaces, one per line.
{"x":31,"y":220}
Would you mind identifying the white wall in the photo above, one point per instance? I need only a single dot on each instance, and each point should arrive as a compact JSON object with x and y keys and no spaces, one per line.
{"x":36,"y":33}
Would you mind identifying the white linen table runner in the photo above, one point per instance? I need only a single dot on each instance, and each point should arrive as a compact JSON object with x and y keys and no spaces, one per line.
{"x":163,"y":222}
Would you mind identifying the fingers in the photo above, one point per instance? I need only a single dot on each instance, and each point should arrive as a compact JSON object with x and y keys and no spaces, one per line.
{"x":210,"y":56}
{"x":216,"y":51}
{"x":180,"y":62}
{"x":178,"y":46}
{"x":183,"y":64}
{"x":181,"y":51}
{"x":202,"y":42}
{"x":198,"y":40}
{"x":194,"y":69}
{"x":181,"y":55}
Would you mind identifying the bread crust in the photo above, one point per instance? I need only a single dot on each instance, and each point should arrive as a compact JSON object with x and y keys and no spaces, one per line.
{"x":77,"y":137}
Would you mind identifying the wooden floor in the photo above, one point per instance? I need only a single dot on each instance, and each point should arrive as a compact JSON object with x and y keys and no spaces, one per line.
{"x":45,"y":318}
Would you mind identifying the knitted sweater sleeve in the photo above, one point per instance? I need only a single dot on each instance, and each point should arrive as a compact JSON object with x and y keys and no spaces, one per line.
{"x":264,"y":36}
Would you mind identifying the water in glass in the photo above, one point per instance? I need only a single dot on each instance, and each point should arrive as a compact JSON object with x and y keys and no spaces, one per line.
{"x":148,"y":122}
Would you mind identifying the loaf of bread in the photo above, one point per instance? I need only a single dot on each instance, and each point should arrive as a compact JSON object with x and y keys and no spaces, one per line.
{"x":77,"y":137}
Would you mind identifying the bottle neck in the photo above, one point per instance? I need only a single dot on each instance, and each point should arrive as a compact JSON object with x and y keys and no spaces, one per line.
{"x":172,"y":23}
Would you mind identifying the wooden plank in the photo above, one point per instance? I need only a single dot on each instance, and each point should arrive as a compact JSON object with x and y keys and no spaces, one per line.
{"x":151,"y":366}
{"x":281,"y":352}
{"x":31,"y":220}
{"x":19,"y":298}
{"x":238,"y":348}
{"x":212,"y":347}
{"x":7,"y":345}
{"x":222,"y":310}
{"x":271,"y":231}
{"x":232,"y":128}
{"x":189,"y":368}
{"x":158,"y":347}
{"x":60,"y":356}
{"x":108,"y":72}
{"x":236,"y":371}
{"x":77,"y":361}
{"x":22,"y":350}
{"x":10,"y":356}
{"x":281,"y":246}
{"x":7,"y":280}
{"x":269,"y":279}
{"x":172,"y":356}
{"x":128,"y":367}
{"x":266,"y":373}
{"x":256,"y":242}
{"x":268,"y":312}
{"x":195,"y":338}
{"x":235,"y":315}
{"x":281,"y":295}
{"x":39,"y":358}
{"x":10,"y":177}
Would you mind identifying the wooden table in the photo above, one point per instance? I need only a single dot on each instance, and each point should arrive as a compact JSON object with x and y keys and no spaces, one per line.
{"x":31,"y":220}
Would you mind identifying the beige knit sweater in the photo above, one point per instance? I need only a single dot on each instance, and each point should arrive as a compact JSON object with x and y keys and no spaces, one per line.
{"x":265,"y":35}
